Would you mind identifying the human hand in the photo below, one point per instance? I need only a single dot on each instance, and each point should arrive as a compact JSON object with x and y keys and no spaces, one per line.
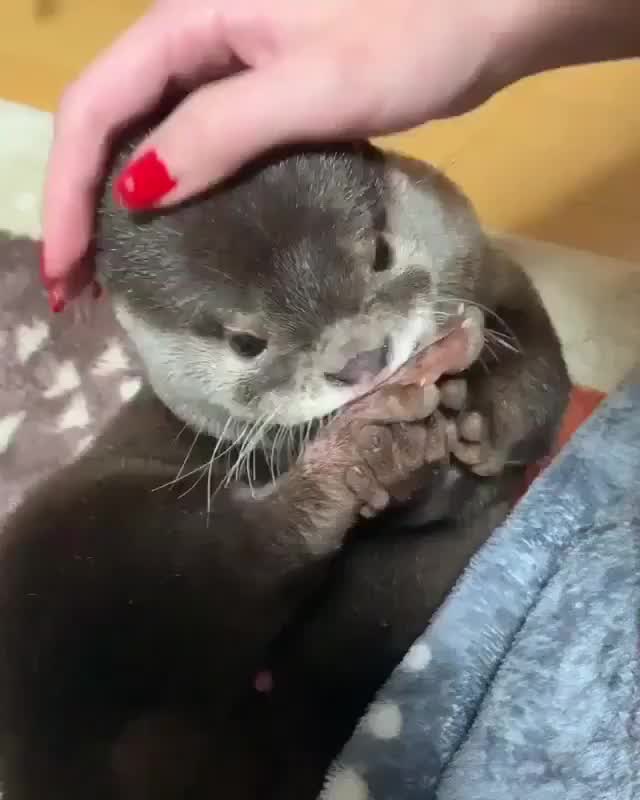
{"x":260,"y":73}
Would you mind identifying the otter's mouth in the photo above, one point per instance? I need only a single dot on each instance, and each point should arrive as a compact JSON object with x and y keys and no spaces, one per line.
{"x":409,"y":371}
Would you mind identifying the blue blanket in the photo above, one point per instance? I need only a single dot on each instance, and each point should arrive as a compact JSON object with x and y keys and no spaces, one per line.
{"x":527,"y":682}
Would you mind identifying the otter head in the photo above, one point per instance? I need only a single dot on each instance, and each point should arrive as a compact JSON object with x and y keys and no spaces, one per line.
{"x":277,"y":298}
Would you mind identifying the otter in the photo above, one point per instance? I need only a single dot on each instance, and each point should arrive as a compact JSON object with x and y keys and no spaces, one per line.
{"x":213,"y":530}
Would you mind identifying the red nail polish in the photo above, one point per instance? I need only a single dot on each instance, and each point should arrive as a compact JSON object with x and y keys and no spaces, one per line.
{"x":56,"y":300}
{"x":96,"y":290}
{"x":143,"y":183}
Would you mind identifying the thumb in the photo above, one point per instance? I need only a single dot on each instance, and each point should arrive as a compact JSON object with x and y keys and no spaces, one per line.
{"x":220,"y":126}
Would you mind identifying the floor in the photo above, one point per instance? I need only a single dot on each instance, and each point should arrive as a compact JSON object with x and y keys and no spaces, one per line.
{"x":552,"y":164}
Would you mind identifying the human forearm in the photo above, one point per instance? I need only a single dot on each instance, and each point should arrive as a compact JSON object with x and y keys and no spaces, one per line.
{"x":539,"y":35}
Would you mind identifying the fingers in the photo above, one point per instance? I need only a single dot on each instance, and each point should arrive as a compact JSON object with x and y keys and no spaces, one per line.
{"x":123,"y":83}
{"x":397,"y":404}
{"x":453,"y":353}
{"x":453,"y":394}
{"x":389,"y":455}
{"x":473,"y":445}
{"x":392,"y":453}
{"x":284,"y":101}
{"x":367,"y":489}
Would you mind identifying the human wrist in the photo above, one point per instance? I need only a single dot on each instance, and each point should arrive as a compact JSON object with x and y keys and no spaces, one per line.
{"x":532,"y":36}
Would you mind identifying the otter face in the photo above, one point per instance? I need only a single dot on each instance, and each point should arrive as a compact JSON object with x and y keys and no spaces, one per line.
{"x":282,"y":297}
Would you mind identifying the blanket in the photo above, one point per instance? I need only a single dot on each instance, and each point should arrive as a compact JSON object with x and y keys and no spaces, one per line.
{"x":62,"y":378}
{"x":527,"y":681}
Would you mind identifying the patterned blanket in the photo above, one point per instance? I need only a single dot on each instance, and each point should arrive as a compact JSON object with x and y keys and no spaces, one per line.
{"x":527,"y":682}
{"x":61,"y":378}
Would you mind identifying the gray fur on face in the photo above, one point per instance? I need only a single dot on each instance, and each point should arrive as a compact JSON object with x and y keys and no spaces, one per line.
{"x":322,"y":255}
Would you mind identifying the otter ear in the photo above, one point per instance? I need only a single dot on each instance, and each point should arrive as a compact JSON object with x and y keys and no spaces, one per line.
{"x":428,"y":216}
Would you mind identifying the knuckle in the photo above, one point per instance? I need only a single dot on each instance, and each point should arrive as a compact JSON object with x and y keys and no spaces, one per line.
{"x":346,"y":80}
{"x":80,"y":111}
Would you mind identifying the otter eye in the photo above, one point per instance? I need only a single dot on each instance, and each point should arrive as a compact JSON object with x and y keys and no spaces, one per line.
{"x":246,"y":345}
{"x":383,"y":257}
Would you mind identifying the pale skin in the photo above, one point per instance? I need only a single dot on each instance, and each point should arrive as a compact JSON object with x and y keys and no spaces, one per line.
{"x":263,"y":73}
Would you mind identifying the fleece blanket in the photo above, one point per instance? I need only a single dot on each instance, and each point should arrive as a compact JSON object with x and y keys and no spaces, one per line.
{"x":527,"y":682}
{"x":61,"y":377}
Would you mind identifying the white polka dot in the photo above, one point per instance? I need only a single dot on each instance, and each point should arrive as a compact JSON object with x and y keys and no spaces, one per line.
{"x":112,"y":359}
{"x":345,"y":784}
{"x":383,"y":720}
{"x":75,"y":414}
{"x":130,"y":388}
{"x":66,"y":379}
{"x":8,"y":427}
{"x":417,"y":659}
{"x":29,"y":338}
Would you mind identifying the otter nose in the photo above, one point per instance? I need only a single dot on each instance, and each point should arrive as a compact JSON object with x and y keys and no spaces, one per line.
{"x":362,"y":367}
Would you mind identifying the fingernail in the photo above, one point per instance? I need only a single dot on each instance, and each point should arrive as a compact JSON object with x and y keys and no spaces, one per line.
{"x":143,"y":182}
{"x":96,"y":290}
{"x":56,"y":300}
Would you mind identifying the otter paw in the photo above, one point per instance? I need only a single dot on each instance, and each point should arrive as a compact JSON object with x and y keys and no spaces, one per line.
{"x":392,"y":457}
{"x":473,"y":445}
{"x":453,"y":393}
{"x":395,"y":403}
{"x":374,"y":498}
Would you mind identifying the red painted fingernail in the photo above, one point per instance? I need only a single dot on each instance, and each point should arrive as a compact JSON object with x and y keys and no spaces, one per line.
{"x":143,"y":183}
{"x":96,"y":290}
{"x":56,"y":300}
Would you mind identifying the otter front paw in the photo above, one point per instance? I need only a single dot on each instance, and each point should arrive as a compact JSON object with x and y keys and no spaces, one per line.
{"x":453,"y":393}
{"x":392,"y":459}
{"x":475,"y":447}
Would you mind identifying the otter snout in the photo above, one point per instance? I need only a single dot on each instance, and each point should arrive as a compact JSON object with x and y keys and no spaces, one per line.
{"x":363,"y":367}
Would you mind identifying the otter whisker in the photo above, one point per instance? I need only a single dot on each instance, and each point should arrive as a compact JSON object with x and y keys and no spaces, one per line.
{"x":503,"y":340}
{"x":491,"y":350}
{"x":240,"y":443}
{"x":271,"y":458}
{"x":487,"y":311}
{"x":203,"y":472}
{"x":209,"y":480}
{"x":180,"y":432}
{"x":173,"y":481}
{"x":189,"y":451}
{"x":252,"y":437}
{"x":258,"y":441}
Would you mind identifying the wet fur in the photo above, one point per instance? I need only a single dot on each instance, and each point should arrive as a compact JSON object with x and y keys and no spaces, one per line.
{"x":131,"y":622}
